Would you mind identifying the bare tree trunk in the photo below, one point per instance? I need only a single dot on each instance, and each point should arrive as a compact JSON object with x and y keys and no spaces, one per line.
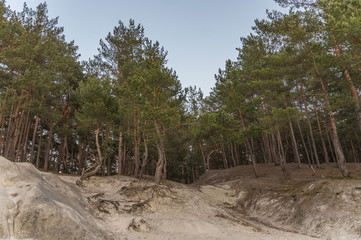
{"x":330,"y":144}
{"x":206,"y":168}
{"x":310,"y":127}
{"x":225,"y":161}
{"x":33,"y":139}
{"x":341,"y":161}
{"x":231,"y":150}
{"x":325,"y":153}
{"x":296,"y":153}
{"x":47,"y":148}
{"x":136,"y":147}
{"x":98,"y":160}
{"x":274,"y":149}
{"x":248,"y":145}
{"x":303,"y":142}
{"x":120,"y":152}
{"x":160,"y":150}
{"x":353,"y":91}
{"x":267,"y":150}
{"x":19,"y":138}
{"x":354,"y":153}
{"x":24,"y":152}
{"x":9,"y":131}
{"x":236,"y":153}
{"x":281,"y":153}
{"x":145,"y":159}
{"x":2,"y":136}
{"x":39,"y":149}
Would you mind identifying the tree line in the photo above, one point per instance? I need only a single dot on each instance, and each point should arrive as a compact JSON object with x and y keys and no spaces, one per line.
{"x":290,"y":96}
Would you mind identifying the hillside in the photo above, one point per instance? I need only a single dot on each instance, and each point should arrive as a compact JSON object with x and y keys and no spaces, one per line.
{"x":40,"y":205}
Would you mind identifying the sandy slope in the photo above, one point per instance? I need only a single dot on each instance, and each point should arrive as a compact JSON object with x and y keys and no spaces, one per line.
{"x":40,"y":205}
{"x":172,"y":211}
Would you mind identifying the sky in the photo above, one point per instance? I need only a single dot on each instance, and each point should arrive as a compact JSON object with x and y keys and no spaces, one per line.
{"x":199,"y":35}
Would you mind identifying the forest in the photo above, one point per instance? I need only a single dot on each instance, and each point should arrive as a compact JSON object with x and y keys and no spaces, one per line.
{"x":291,"y":96}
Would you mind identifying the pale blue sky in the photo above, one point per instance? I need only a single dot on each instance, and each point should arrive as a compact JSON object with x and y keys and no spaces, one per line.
{"x":199,"y":35}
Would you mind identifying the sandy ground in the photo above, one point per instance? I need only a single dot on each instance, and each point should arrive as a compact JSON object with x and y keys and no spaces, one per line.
{"x":225,"y":204}
{"x":133,"y":209}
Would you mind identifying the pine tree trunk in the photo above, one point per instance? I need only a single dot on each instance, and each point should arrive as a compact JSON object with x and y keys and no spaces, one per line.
{"x":281,"y":153}
{"x":33,"y":139}
{"x":303,"y":142}
{"x":47,"y":148}
{"x":266,"y":147}
{"x":274,"y":150}
{"x":248,"y":145}
{"x":2,"y":136}
{"x":231,"y":150}
{"x":120,"y":152}
{"x":310,"y":127}
{"x":145,"y":159}
{"x":19,"y":138}
{"x":354,"y":154}
{"x":296,"y":153}
{"x":9,"y":131}
{"x":325,"y":153}
{"x":203,"y":157}
{"x":341,"y":161}
{"x":330,"y":144}
{"x":136,"y":147}
{"x":80,"y":156}
{"x":160,"y":149}
{"x":39,"y":149}
{"x":225,"y":162}
{"x":353,"y":91}
{"x":24,"y":152}
{"x":237,"y":154}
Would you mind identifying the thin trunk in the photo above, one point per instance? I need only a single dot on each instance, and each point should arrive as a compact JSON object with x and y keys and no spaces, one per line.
{"x":109,"y":169}
{"x":203,"y":157}
{"x":330,"y":145}
{"x":236,"y":153}
{"x":98,"y":160}
{"x":310,"y":146}
{"x":136,"y":147}
{"x":303,"y":141}
{"x":225,"y":161}
{"x":266,"y":148}
{"x":160,"y":150}
{"x":120,"y":153}
{"x":145,"y":159}
{"x":281,"y":153}
{"x":164,"y":176}
{"x":19,"y":138}
{"x":324,"y":149}
{"x":33,"y":139}
{"x":9,"y":131}
{"x":24,"y":153}
{"x":2,"y":137}
{"x":124,"y":157}
{"x":80,"y":156}
{"x":341,"y":161}
{"x":294,"y":144}
{"x":353,"y":91}
{"x":39,"y":149}
{"x":310,"y":127}
{"x":274,"y":149}
{"x":231,"y":150}
{"x":47,"y":148}
{"x":66,"y":155}
{"x":248,"y":145}
{"x":354,"y":154}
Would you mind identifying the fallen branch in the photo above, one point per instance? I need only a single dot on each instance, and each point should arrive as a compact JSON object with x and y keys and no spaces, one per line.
{"x":88,"y":173}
